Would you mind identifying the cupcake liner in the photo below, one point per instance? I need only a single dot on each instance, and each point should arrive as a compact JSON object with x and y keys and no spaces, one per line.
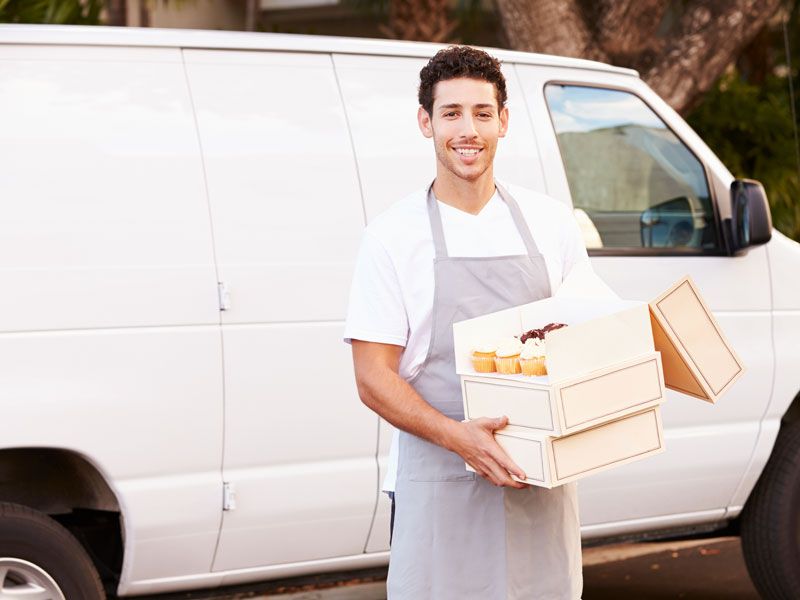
{"x":483,"y":362}
{"x":533,"y":366}
{"x":508,"y":365}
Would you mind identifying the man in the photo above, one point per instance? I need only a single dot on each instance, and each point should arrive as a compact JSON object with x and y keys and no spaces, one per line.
{"x":460,"y":248}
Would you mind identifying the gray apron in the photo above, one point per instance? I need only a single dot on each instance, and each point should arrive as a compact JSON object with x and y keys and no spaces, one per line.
{"x":456,"y":535}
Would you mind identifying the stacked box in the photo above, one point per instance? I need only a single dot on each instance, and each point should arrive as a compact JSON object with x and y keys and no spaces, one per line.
{"x":599,"y":404}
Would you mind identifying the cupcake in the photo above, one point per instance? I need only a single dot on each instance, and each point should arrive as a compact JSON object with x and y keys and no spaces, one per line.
{"x":483,"y":358}
{"x":507,"y":356}
{"x":532,"y":356}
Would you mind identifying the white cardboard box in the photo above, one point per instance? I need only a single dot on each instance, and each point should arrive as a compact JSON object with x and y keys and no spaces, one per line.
{"x":698,"y":359}
{"x":601,"y":367}
{"x":568,"y":405}
{"x":552,"y":461}
{"x":598,"y":407}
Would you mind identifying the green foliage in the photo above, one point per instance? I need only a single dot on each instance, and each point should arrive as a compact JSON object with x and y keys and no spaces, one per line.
{"x":747,"y":121}
{"x":61,"y":12}
{"x":750,"y":129}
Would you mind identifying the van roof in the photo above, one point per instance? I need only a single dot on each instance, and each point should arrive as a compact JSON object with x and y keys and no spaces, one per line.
{"x":244,"y":40}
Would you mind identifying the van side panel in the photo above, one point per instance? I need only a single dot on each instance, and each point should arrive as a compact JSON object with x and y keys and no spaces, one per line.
{"x":708,"y":446}
{"x":784,"y":264}
{"x":104,"y":221}
{"x":109,"y":324}
{"x":287,"y":216}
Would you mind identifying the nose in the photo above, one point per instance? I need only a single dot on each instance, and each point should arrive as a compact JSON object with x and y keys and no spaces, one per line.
{"x":468,"y":129}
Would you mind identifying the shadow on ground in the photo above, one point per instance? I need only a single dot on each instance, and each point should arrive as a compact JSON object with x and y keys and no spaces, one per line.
{"x":714,"y":571}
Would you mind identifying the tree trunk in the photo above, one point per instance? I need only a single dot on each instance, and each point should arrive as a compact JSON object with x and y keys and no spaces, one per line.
{"x":420,"y":20}
{"x":117,"y":12}
{"x":625,"y":29}
{"x":679,"y":60}
{"x":251,"y":15}
{"x":710,"y":36}
{"x":548,"y":26}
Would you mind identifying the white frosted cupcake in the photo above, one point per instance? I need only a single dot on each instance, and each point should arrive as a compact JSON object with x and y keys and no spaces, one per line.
{"x":532,"y":357}
{"x":483,"y":358}
{"x":507,"y":356}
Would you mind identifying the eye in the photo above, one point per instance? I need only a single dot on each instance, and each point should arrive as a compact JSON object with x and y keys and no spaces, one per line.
{"x":448,"y":114}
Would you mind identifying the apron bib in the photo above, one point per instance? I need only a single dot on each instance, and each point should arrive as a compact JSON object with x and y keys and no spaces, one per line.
{"x":457,"y":536}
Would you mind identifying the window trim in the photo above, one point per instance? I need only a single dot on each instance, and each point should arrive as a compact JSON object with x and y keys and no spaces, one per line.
{"x":720,"y":250}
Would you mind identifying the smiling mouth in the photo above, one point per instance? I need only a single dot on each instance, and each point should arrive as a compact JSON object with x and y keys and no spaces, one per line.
{"x":468,"y":151}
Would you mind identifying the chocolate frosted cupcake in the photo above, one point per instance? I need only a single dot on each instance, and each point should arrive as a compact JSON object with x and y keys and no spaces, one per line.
{"x":532,"y":358}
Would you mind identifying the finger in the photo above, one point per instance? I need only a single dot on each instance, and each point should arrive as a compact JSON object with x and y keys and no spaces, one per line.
{"x":504,"y":460}
{"x":517,"y":484}
{"x":486,"y":470}
{"x":499,"y":475}
{"x":510,"y":466}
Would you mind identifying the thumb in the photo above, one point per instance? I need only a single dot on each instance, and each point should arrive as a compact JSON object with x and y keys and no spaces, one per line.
{"x":498,"y":422}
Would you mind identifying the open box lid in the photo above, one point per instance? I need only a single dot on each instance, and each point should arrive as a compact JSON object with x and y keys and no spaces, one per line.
{"x":698,"y":360}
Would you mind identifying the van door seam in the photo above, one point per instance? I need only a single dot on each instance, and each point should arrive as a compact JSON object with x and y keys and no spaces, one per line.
{"x":216,"y":271}
{"x":350,"y":136}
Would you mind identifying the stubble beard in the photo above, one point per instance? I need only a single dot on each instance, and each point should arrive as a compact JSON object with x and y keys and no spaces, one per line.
{"x":451,"y":163}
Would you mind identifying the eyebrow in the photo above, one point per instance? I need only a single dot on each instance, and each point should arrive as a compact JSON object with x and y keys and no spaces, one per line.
{"x":456,"y":105}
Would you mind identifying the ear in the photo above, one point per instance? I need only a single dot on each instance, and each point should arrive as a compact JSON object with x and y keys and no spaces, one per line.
{"x":503,"y":122}
{"x":424,"y":122}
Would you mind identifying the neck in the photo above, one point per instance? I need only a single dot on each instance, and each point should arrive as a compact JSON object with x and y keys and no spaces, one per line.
{"x":469,"y":196}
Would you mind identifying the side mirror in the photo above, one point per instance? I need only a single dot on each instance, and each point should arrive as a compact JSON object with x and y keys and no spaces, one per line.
{"x":751,"y":222}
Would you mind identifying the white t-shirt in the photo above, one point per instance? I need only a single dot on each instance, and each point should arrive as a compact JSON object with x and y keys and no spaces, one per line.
{"x":391,"y":297}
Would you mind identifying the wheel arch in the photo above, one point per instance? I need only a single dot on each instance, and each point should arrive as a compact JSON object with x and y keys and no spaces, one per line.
{"x":792,"y":414}
{"x":53,"y":481}
{"x":72,"y":489}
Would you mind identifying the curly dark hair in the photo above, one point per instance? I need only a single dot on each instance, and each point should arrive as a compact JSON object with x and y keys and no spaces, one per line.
{"x":460,"y":61}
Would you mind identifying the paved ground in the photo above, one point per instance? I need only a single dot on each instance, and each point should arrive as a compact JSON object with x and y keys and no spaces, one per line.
{"x":691,"y":570}
{"x":707,"y":570}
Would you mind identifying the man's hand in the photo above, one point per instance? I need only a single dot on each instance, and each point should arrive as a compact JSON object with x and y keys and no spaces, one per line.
{"x":383,"y":390}
{"x":474,"y":442}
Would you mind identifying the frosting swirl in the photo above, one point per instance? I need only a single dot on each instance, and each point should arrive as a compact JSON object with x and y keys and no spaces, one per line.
{"x":533,"y":348}
{"x":509,"y":347}
{"x":485,"y":348}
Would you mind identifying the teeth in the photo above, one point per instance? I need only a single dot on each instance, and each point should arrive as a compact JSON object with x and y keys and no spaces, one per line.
{"x":467,"y":151}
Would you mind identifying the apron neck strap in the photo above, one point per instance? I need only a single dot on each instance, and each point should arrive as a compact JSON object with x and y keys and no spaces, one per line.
{"x":516,"y":215}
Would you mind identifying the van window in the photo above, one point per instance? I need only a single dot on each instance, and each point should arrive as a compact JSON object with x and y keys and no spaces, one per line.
{"x":634,"y":184}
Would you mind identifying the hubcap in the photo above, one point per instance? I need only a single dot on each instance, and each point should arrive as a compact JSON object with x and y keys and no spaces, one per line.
{"x":20,"y":579}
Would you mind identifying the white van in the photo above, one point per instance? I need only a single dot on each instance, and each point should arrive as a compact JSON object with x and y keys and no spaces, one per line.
{"x":179,"y":216}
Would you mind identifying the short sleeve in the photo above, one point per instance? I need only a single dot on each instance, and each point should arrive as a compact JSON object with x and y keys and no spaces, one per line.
{"x":376,"y":312}
{"x":573,"y":248}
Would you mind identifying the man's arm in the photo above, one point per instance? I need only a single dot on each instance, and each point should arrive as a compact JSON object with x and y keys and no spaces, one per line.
{"x":383,"y":390}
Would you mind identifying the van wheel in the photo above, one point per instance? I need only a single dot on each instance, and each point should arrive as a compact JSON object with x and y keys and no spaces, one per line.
{"x":771,"y":521}
{"x":41,"y":559}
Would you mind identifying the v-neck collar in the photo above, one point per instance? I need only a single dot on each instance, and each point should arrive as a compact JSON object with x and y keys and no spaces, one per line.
{"x":481,"y":214}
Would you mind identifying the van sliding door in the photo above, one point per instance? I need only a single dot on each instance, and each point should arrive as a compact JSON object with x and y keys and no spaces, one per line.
{"x":287,"y":218}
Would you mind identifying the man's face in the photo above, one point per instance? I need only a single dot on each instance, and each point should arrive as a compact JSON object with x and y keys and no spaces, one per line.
{"x":465,"y":125}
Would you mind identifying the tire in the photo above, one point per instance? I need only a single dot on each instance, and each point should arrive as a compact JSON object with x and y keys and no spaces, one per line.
{"x":771,"y":521}
{"x":36,"y":551}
